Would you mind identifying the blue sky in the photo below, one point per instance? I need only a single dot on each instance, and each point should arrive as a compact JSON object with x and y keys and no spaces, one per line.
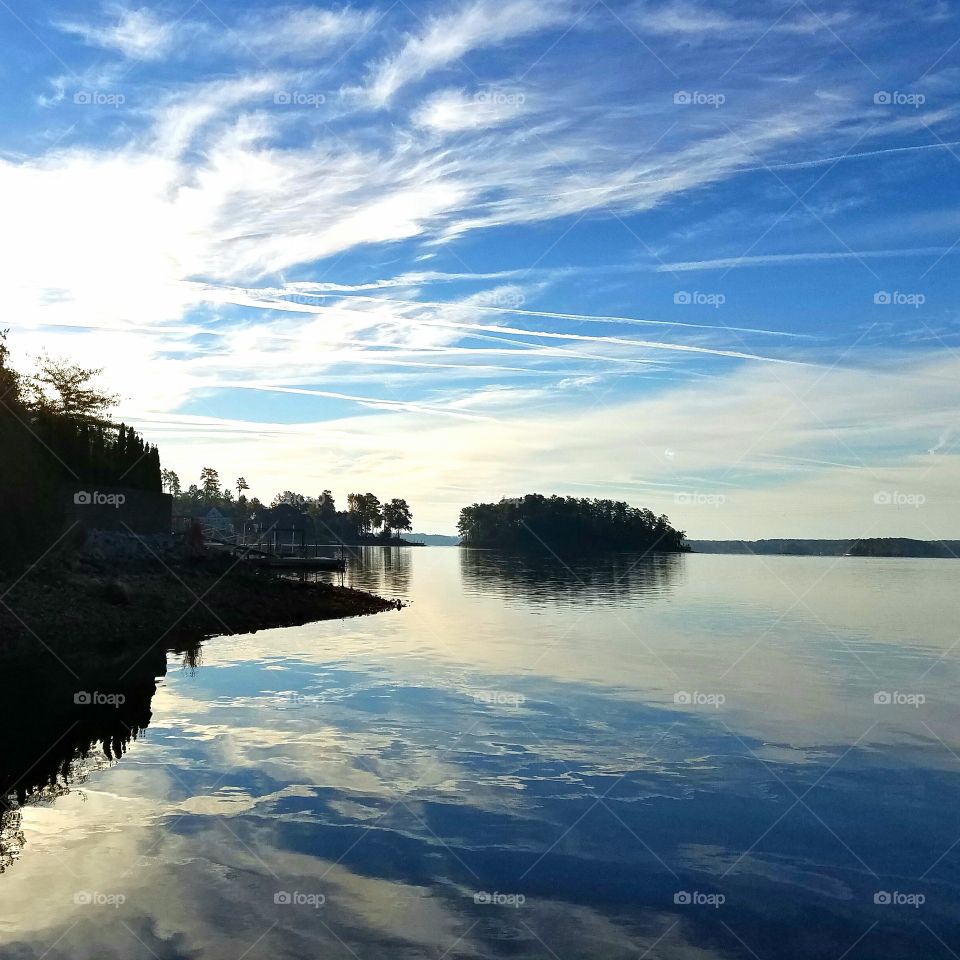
{"x":699,"y":257}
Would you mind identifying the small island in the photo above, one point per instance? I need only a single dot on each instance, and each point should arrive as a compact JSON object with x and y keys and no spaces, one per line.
{"x":567,"y":524}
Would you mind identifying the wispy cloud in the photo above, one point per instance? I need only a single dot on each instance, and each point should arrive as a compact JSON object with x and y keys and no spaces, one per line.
{"x":698,"y":21}
{"x":139,"y":34}
{"x":445,"y":39}
{"x":452,"y":111}
{"x":295,"y":31}
{"x":251,"y":232}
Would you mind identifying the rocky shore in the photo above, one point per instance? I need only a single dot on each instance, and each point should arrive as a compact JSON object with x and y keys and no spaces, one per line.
{"x":117,"y":592}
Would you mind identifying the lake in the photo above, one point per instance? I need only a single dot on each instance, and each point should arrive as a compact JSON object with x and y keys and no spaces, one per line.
{"x":689,"y":756}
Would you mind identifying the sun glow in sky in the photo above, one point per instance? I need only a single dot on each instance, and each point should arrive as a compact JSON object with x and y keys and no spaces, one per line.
{"x":699,"y":257}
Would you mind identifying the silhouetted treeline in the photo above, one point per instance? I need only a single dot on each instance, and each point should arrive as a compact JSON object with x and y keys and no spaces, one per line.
{"x":366,"y":519}
{"x":903,"y":547}
{"x":566,"y":523}
{"x":54,"y":432}
{"x":98,"y":453}
{"x":870,"y":547}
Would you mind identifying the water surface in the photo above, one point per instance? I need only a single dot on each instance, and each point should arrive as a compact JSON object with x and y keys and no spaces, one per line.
{"x":692,"y":756}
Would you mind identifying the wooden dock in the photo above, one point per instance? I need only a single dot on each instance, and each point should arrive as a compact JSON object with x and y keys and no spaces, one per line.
{"x":299,"y":563}
{"x":273,"y":556}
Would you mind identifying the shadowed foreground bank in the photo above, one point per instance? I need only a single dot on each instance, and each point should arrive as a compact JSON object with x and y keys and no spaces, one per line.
{"x":152,"y":597}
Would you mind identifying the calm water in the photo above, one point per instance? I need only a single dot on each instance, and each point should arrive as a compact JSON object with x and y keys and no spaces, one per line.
{"x":654,"y":759}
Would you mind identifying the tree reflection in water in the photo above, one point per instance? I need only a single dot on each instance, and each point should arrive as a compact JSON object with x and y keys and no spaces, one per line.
{"x":545,"y":577}
{"x":84,"y":725}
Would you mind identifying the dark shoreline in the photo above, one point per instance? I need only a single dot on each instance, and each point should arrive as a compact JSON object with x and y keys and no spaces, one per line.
{"x":72,"y":616}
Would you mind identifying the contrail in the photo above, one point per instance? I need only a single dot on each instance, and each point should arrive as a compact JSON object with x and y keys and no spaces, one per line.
{"x":551,"y":315}
{"x":862,"y":155}
{"x":622,"y":341}
{"x":367,"y":401}
{"x":253,"y":299}
{"x":774,"y":258}
{"x":268,"y":297}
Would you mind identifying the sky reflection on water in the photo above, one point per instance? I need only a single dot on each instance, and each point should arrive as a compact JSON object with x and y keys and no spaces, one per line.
{"x":587,"y":749}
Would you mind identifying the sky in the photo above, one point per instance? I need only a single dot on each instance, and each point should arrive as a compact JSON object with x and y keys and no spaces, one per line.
{"x":702,"y":258}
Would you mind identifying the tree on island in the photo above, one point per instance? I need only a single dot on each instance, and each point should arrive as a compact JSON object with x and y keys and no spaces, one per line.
{"x":567,"y":523}
{"x":365,"y":510}
{"x":397,"y":517}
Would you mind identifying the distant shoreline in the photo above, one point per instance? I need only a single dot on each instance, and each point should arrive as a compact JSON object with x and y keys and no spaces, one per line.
{"x":902,"y":547}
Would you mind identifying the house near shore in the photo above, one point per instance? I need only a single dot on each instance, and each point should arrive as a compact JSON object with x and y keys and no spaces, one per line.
{"x":214,"y":522}
{"x":282,"y":524}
